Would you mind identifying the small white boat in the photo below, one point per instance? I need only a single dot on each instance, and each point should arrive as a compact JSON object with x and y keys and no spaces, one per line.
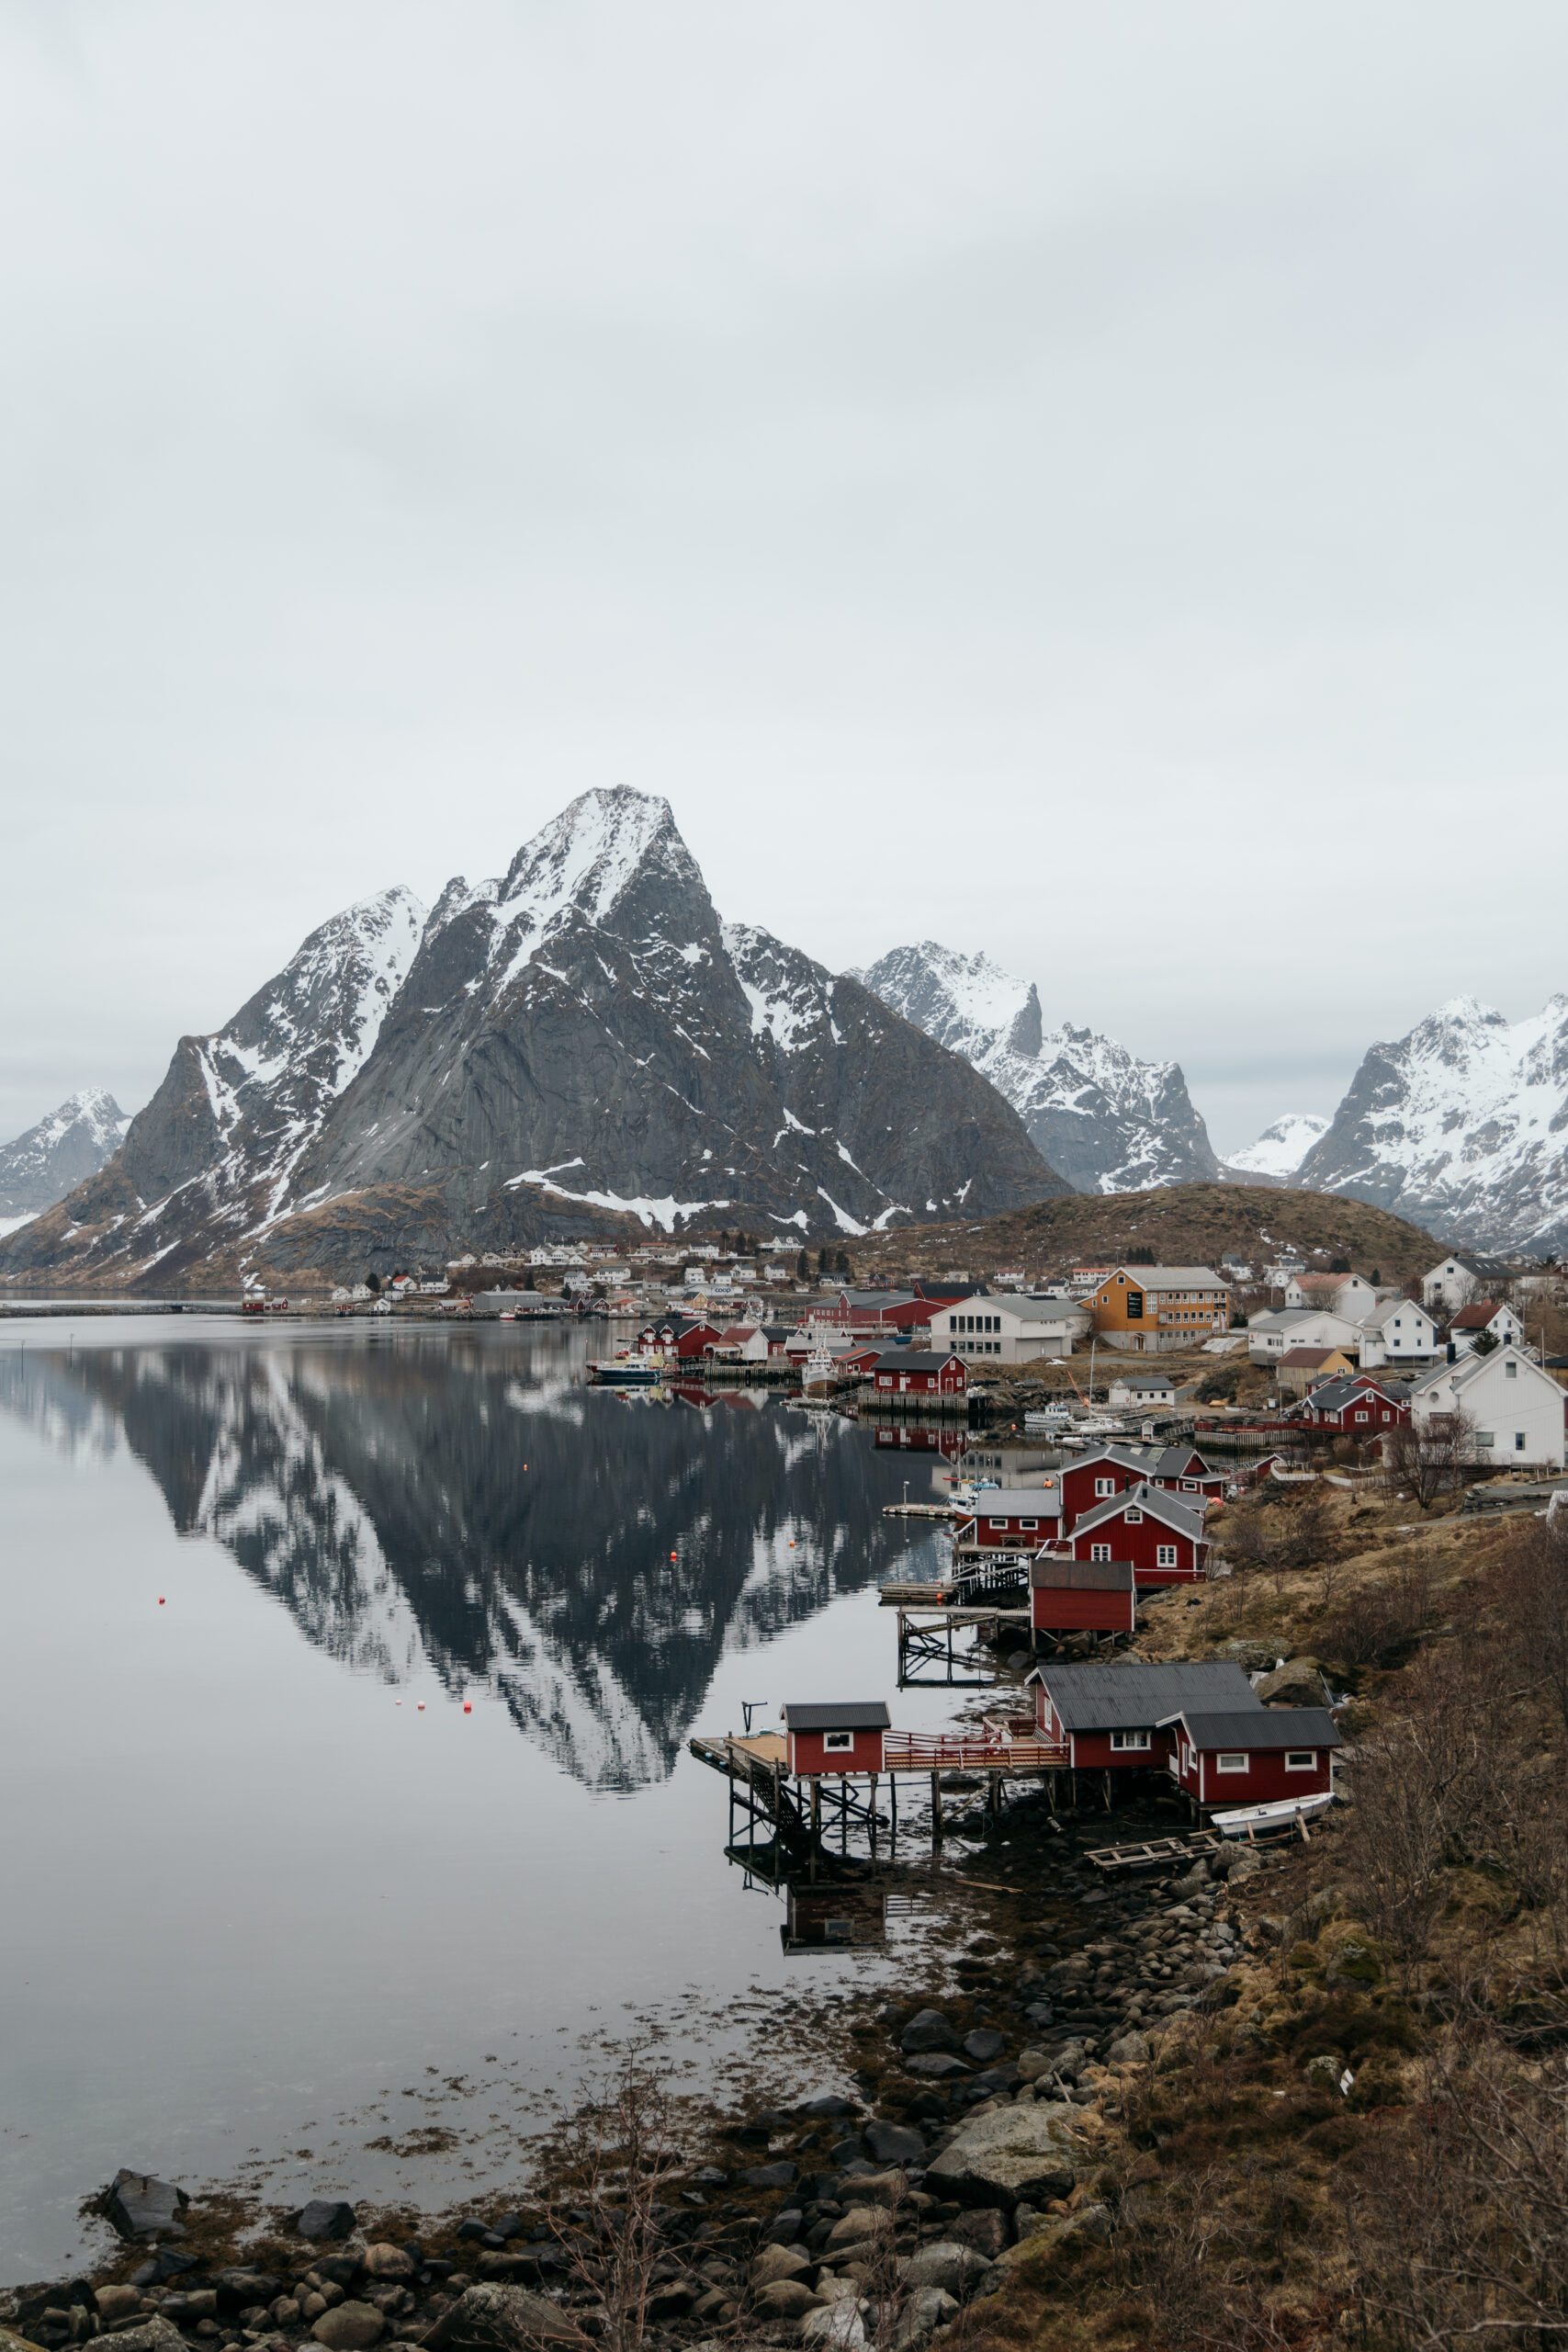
{"x":1246,"y":1820}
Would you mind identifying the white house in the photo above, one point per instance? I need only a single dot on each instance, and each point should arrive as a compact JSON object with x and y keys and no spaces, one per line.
{"x":1484,"y":1314}
{"x":1155,"y":1391}
{"x":1347,"y":1295}
{"x":1517,"y":1409}
{"x":1270,"y":1334}
{"x":1009,"y":1330}
{"x":1397,"y":1331}
{"x":1459,"y":1278}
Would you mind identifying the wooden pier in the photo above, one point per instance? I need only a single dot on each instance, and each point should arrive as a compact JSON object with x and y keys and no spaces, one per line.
{"x":925,"y":1643}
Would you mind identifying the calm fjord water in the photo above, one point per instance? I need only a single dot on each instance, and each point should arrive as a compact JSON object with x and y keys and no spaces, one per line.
{"x":263,"y":1918}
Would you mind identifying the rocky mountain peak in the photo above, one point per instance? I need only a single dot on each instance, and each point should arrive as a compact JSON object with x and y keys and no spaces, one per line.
{"x":72,"y":1144}
{"x":1106,"y":1121}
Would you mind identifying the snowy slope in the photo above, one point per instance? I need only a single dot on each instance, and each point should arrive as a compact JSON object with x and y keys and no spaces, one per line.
{"x":1281,"y":1149}
{"x":52,"y":1158}
{"x":1106,"y":1121}
{"x":1461,"y":1125}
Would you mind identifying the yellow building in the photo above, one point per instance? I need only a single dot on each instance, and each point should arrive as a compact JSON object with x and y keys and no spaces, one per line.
{"x":1146,"y":1308}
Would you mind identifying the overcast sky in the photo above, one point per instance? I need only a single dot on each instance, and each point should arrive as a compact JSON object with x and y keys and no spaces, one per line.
{"x":1083,"y":481}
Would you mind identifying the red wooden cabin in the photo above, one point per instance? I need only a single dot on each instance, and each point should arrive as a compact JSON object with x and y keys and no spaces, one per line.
{"x":1161,"y":1534}
{"x":1112,"y":1469}
{"x":1113,"y":1717}
{"x":845,"y":1735}
{"x":1082,"y":1596}
{"x":1226,"y":1758}
{"x":920,"y":1371}
{"x":682,"y":1335}
{"x":1012,"y":1518}
{"x":1357,"y":1406}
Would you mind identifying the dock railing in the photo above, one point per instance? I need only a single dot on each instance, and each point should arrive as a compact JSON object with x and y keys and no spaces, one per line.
{"x":917,"y":1751}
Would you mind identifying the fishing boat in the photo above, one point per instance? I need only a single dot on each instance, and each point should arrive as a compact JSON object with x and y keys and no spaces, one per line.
{"x":626,"y":1370}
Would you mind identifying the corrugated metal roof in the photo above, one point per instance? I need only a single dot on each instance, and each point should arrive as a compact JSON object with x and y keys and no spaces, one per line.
{"x":1182,"y":1516}
{"x":842,"y":1714}
{"x":1125,"y":1697}
{"x":1081,"y":1575}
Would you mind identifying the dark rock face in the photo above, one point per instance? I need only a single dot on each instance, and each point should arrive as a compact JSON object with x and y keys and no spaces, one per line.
{"x":326,"y":2218}
{"x":136,"y":2203}
{"x":1104,"y":1120}
{"x":60,"y":1153}
{"x":582,"y":1034}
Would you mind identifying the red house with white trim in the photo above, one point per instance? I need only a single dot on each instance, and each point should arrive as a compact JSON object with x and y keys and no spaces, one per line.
{"x":1112,"y":1717}
{"x":1112,"y":1469}
{"x":1011,"y":1519}
{"x":845,"y":1735}
{"x":1161,"y":1534}
{"x":1357,"y":1406}
{"x":1221,"y":1758}
{"x":1082,"y":1596}
{"x":918,"y":1372}
{"x":679,"y":1335}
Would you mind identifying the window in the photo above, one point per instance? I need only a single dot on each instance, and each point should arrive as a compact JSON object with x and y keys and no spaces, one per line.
{"x":1519,"y":1440}
{"x":1134,"y":1518}
{"x":1360,"y":1417}
{"x":995,"y":1522}
{"x":1510,"y":1372}
{"x":1100,"y":1551}
{"x":1300,"y":1759}
{"x":1189,"y":1486}
{"x":1165,"y":1555}
{"x":1029,"y":1523}
{"x":1124,"y":1739}
{"x":1135,"y":1306}
{"x":839,"y":1743}
{"x":1105,"y":1485}
{"x":1231,"y":1763}
{"x":1485,"y":1436}
{"x":953,"y":1322}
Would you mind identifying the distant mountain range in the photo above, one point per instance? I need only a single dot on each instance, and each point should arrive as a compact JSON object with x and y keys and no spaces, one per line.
{"x":1460,"y":1126}
{"x":53,"y":1158}
{"x":576,"y":1043}
{"x":1104,"y":1120}
{"x":582,"y":1042}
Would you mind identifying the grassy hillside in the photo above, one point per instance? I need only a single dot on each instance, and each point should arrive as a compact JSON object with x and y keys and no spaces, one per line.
{"x":1184,"y":1224}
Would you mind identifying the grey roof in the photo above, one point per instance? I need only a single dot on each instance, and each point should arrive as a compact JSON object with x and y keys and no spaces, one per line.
{"x":1017,"y":1502}
{"x":1269,"y":1727}
{"x":1130,"y":1698}
{"x":881,"y":1298}
{"x":1053,"y":1575}
{"x":914,"y":1360}
{"x":1041,"y":1310}
{"x":1281,"y":1319}
{"x":1175,"y":1511}
{"x":1171,"y":1278}
{"x":1151,"y":1461}
{"x":1384,"y":1313}
{"x":843,"y":1714}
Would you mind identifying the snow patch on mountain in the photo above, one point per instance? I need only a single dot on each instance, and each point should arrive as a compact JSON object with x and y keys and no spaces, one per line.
{"x":1106,"y":1121}
{"x":1460,"y":1126}
{"x":1281,"y":1149}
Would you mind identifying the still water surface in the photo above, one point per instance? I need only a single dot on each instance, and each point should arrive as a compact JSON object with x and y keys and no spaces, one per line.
{"x":262,"y":1918}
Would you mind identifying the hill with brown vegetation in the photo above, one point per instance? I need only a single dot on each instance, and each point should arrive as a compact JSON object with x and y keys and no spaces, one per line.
{"x":1184,"y":1224}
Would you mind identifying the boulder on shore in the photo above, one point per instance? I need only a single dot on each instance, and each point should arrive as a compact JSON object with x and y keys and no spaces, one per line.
{"x":135,"y":2203}
{"x":1297,"y":1683}
{"x":928,"y":2030}
{"x":349,"y":2327}
{"x":495,"y":2319}
{"x":325,"y":2217}
{"x":1030,"y":2152}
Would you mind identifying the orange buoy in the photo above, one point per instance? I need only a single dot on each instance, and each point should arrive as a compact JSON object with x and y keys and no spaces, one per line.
{"x":160,"y":1600}
{"x":421,"y":1706}
{"x":674,"y":1555}
{"x":468,"y":1706}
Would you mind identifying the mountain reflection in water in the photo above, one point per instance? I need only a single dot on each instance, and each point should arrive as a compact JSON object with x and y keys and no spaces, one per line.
{"x":470,"y":1509}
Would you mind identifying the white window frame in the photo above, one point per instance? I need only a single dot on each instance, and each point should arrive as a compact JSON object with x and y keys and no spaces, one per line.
{"x":1100,"y":1551}
{"x":838,"y":1742}
{"x":1165,"y":1557}
{"x":1133,"y":1516}
{"x":1235,"y":1760}
{"x":1300,"y":1759}
{"x":997,"y":1522}
{"x":1121,"y":1740}
{"x":1029,"y":1523}
{"x":1104,"y":1486}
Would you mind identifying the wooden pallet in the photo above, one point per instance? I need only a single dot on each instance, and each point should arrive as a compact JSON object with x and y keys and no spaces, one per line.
{"x":1111,"y":1858}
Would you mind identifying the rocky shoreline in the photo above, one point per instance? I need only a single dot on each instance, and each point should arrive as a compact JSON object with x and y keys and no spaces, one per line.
{"x":983,"y":2124}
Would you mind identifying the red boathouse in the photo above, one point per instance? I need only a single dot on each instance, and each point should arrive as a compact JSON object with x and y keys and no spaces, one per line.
{"x":1016,"y":1519}
{"x":1255,"y":1758}
{"x":920,"y":1371}
{"x":1082,"y":1596}
{"x":843,"y":1736}
{"x":1114,"y":1717}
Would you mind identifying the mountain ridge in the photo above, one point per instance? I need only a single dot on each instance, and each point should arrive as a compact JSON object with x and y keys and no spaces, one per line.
{"x":64,"y":1148}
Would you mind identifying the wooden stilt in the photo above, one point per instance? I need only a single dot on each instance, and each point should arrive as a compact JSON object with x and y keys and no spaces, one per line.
{"x":936,"y":1808}
{"x":871,"y":1817}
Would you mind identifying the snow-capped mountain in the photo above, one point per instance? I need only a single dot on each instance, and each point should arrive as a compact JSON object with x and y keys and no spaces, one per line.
{"x":1280,"y":1149}
{"x":576,"y":1039}
{"x":1104,"y":1120}
{"x":1461,"y":1125}
{"x":52,"y":1158}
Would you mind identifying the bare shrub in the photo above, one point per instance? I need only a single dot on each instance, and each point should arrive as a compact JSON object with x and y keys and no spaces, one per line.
{"x":1460,"y":2216}
{"x":1533,"y":1590}
{"x":1377,"y":1622}
{"x":1427,"y":1460}
{"x":617,"y":2158}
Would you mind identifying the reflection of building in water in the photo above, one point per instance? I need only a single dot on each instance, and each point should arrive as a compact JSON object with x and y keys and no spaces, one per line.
{"x":818,"y":1916}
{"x":914,"y":1437}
